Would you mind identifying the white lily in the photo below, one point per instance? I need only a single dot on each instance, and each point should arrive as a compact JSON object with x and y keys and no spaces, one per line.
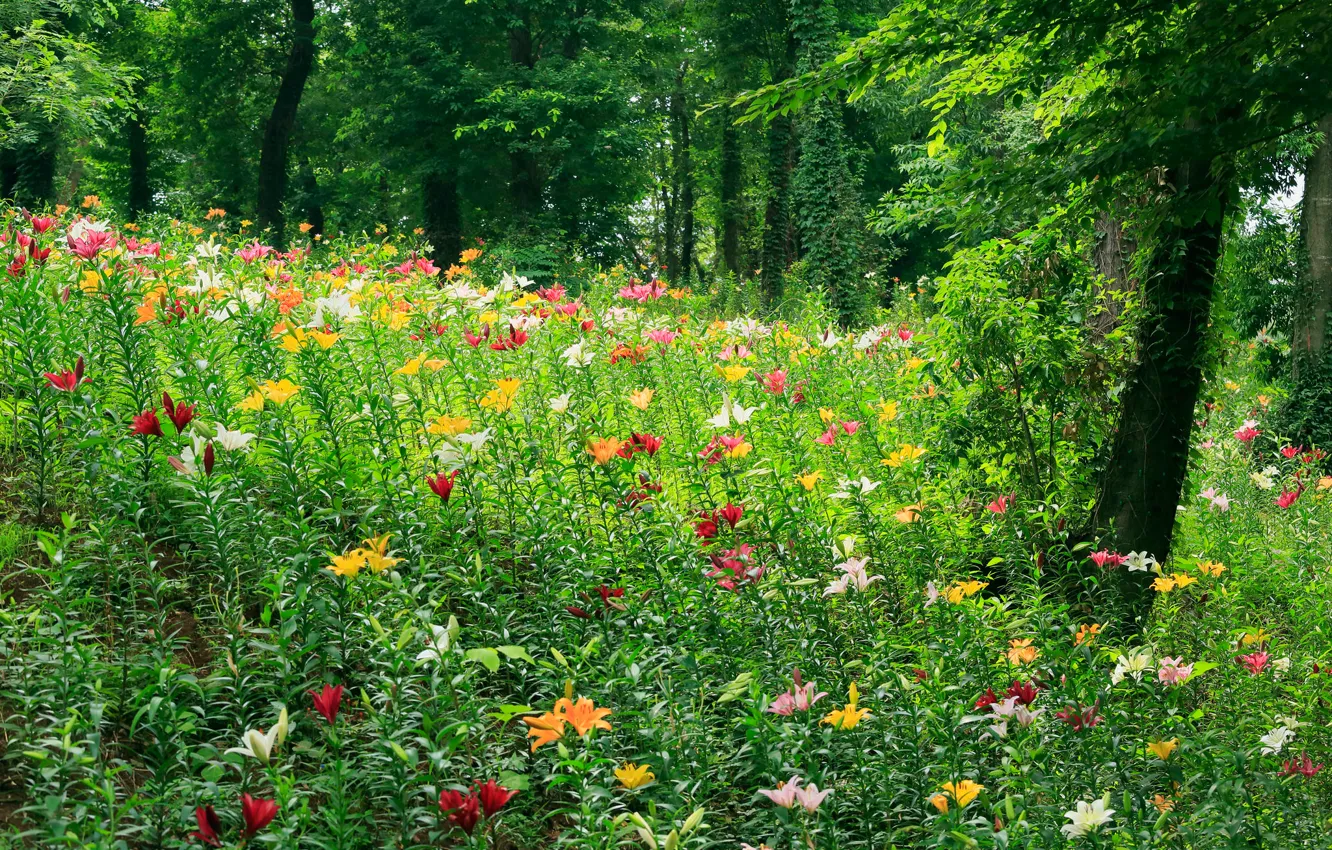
{"x":259,"y":745}
{"x":232,"y":440}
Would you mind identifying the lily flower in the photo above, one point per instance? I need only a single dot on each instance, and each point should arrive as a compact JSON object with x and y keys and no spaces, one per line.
{"x":462,"y":812}
{"x":784,"y":794}
{"x":633,"y":776}
{"x":494,"y":797}
{"x":259,"y":745}
{"x":210,"y":825}
{"x":328,"y":701}
{"x":850,"y":716}
{"x":257,"y":813}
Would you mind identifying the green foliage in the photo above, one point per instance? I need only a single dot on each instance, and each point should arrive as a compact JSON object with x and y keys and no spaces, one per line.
{"x":294,"y":536}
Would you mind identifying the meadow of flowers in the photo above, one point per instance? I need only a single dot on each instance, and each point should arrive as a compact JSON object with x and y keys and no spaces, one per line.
{"x":334,"y":548}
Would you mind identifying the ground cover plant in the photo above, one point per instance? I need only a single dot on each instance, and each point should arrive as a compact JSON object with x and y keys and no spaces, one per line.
{"x":332,"y":547}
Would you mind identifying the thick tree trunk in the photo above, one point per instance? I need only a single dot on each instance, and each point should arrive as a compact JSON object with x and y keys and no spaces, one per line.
{"x":277,"y":132}
{"x":730,"y":194}
{"x":140,"y":191}
{"x":1308,"y":339}
{"x":1111,"y":258}
{"x":443,"y":215}
{"x":29,"y":170}
{"x":1140,"y":490}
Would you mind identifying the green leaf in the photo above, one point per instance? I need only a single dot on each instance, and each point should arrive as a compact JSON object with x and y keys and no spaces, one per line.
{"x":485,"y":656}
{"x":512,"y":652}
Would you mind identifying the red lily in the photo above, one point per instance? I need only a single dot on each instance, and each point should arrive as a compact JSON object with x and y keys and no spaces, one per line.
{"x":180,"y":414}
{"x":999,"y":505}
{"x":66,"y":380}
{"x":775,"y":381}
{"x":473,"y":340}
{"x":442,"y":485}
{"x":494,"y":797}
{"x":257,"y":813}
{"x":209,"y":826}
{"x":731,"y":513}
{"x":328,"y":701}
{"x":1026,"y":692}
{"x":646,"y":443}
{"x":1105,"y":559}
{"x":92,"y":242}
{"x":1301,"y":766}
{"x":1255,"y":662}
{"x":1081,"y":718}
{"x":146,"y":424}
{"x":463,"y":812}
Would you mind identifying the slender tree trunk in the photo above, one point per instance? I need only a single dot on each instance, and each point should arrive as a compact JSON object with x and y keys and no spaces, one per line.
{"x":140,"y":191}
{"x":525,"y":184}
{"x":779,"y":241}
{"x":277,"y":132}
{"x":730,"y":193}
{"x":684,"y":163}
{"x":1308,"y":339}
{"x":1140,"y":490}
{"x":573,"y":39}
{"x":671,"y":200}
{"x":314,"y":206}
{"x":443,"y":215}
{"x":1111,"y":258}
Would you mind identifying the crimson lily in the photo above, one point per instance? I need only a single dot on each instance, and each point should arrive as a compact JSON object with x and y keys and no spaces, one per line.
{"x":442,"y":485}
{"x":462,"y":812}
{"x":257,"y":813}
{"x":209,"y":826}
{"x":328,"y":701}
{"x":494,"y":797}
{"x":66,"y":380}
{"x":180,"y":414}
{"x":146,"y":424}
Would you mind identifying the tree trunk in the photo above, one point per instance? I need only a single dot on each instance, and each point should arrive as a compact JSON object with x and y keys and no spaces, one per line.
{"x":443,"y":215}
{"x":1111,"y":258}
{"x":140,"y":191}
{"x":730,"y":193}
{"x":525,"y":185}
{"x":1308,"y":339}
{"x":277,"y":132}
{"x":779,"y":245}
{"x":314,"y":205}
{"x":684,"y":164}
{"x":1140,"y":489}
{"x":29,"y":170}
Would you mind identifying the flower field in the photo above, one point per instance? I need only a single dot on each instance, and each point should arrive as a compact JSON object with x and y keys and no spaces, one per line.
{"x":334,"y":548}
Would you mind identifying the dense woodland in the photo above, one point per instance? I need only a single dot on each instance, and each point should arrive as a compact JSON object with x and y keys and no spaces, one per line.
{"x":489,"y":324}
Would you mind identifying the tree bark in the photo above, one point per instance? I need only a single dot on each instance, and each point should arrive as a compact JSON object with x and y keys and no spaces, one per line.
{"x":314,"y":206}
{"x":684,"y":164}
{"x":277,"y":132}
{"x":1308,"y":339}
{"x":140,"y":190}
{"x":526,"y":183}
{"x":730,"y":193}
{"x":443,"y":215}
{"x":779,"y":246}
{"x":1111,"y":258}
{"x":1140,"y":489}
